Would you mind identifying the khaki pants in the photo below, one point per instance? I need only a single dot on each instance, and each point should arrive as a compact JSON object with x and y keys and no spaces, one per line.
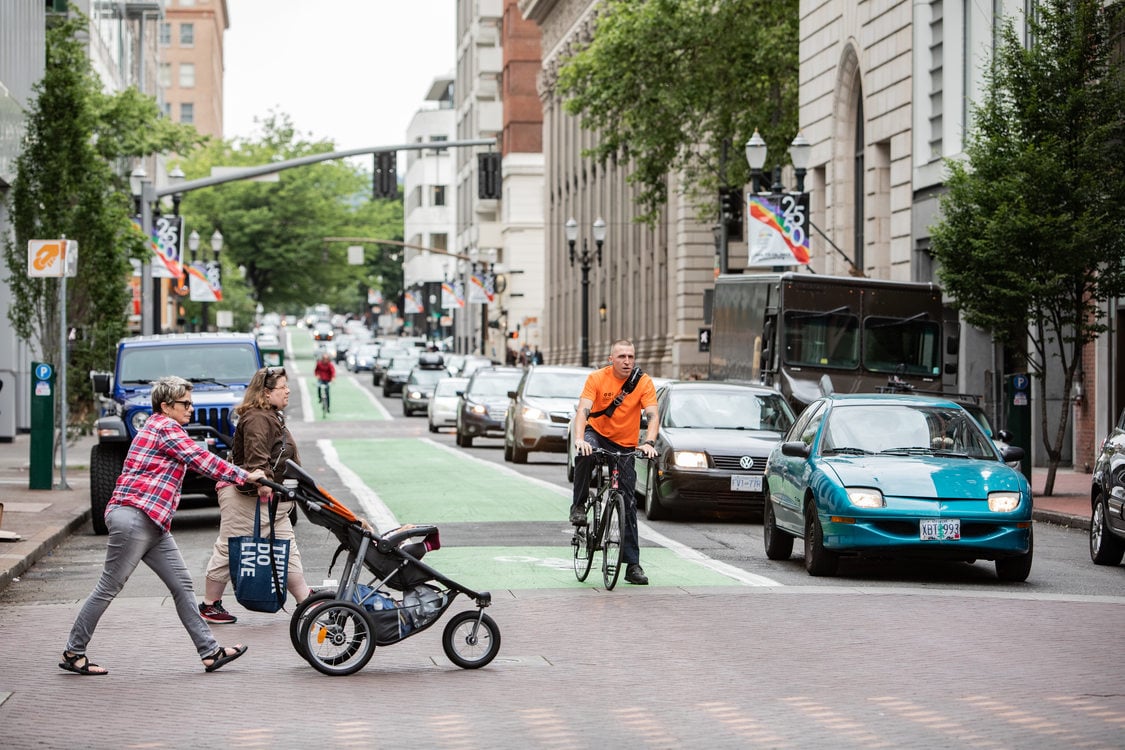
{"x":237,"y":519}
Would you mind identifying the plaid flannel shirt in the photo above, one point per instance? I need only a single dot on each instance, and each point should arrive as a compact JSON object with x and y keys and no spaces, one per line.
{"x":154,"y":469}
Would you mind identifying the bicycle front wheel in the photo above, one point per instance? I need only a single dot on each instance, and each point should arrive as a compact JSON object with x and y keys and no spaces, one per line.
{"x":584,"y":544}
{"x":611,"y":541}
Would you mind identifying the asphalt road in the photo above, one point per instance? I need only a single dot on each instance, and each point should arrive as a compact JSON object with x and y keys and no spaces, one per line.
{"x":724,"y":649}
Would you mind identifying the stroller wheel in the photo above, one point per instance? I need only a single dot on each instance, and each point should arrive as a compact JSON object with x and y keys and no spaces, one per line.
{"x":302,"y":613}
{"x":336,"y":638}
{"x":468,"y":643}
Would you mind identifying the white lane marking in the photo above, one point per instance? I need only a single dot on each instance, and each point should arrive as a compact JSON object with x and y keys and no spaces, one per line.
{"x":682,"y":551}
{"x":373,"y":506}
{"x":370,"y":397}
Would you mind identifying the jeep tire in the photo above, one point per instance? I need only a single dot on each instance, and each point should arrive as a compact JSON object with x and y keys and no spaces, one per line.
{"x":106,"y":461}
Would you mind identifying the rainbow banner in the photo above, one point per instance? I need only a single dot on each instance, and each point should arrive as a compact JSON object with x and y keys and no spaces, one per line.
{"x":776,"y":234}
{"x":451,"y":295}
{"x":411,"y":304}
{"x":204,"y":282}
{"x":481,"y":289}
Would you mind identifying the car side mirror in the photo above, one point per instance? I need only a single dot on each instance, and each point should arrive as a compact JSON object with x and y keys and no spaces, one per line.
{"x":512,"y":395}
{"x":460,"y":393}
{"x":1012,"y":453}
{"x":795,"y":449}
{"x":102,"y":382}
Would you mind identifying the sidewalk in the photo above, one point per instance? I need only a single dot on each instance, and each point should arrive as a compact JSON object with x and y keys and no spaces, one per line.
{"x":44,"y":518}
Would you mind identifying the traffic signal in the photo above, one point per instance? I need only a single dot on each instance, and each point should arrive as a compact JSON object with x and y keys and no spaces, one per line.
{"x":386,"y":175}
{"x":730,"y":208}
{"x":488,"y":175}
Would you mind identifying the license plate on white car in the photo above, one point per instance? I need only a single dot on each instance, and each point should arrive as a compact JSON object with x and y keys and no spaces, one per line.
{"x":939,"y":529}
{"x":743,"y":483}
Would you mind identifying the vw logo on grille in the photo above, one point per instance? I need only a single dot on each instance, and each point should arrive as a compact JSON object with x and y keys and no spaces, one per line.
{"x":746,"y":462}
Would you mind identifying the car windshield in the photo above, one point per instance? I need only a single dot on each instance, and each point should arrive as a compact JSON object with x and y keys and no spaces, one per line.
{"x":496,"y":384}
{"x":427,"y":377}
{"x":449,"y":386}
{"x":727,"y":409}
{"x":224,"y":363}
{"x":548,"y":384}
{"x":904,"y":429}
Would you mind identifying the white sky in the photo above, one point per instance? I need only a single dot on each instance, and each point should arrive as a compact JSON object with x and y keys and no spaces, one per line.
{"x":353,"y":71}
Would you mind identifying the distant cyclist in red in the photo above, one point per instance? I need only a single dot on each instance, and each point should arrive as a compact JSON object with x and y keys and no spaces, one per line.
{"x":325,"y":373}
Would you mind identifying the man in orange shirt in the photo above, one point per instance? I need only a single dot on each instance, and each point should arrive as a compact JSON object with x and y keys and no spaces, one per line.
{"x":617,"y":432}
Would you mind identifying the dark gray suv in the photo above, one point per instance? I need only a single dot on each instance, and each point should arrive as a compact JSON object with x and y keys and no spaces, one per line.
{"x":1107,"y":499}
{"x":483,"y":405}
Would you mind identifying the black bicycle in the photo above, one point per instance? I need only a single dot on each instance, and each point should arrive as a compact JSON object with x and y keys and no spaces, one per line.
{"x":322,"y":397}
{"x":605,"y":511}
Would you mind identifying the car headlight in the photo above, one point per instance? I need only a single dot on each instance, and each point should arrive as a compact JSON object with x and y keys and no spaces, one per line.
{"x":478,"y":408}
{"x":1003,"y":502}
{"x":415,"y":395}
{"x":530,"y":412}
{"x":689,"y":460}
{"x":865,"y":497}
{"x":137,"y":421}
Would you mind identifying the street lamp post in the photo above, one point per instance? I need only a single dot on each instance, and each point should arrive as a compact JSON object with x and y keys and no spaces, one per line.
{"x":586,"y":261}
{"x":144,"y":194}
{"x":796,"y":209}
{"x":216,"y":248}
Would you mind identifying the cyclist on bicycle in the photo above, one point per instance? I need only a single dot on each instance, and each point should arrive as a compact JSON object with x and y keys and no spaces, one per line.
{"x":596,"y":425}
{"x":325,"y":371}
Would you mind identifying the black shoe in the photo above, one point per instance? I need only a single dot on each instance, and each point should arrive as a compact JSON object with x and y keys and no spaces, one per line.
{"x":577,"y":517}
{"x":635,"y":575}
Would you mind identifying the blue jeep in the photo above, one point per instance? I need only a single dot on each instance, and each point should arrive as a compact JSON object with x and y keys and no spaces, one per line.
{"x":219,"y":366}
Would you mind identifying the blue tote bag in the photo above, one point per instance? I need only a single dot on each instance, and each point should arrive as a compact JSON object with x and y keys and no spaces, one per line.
{"x":259,"y":566}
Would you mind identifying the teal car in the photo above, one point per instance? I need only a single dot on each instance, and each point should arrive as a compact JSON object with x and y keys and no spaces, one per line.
{"x":884,"y":475}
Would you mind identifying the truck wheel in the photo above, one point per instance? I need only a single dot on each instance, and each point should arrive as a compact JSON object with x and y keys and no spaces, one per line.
{"x":106,"y":460}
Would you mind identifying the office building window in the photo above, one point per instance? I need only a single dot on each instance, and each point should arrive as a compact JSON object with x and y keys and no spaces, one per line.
{"x":437,"y":195}
{"x":187,"y":34}
{"x":165,"y":34}
{"x":187,"y":113}
{"x":166,"y":109}
{"x":187,"y":75}
{"x":165,"y":75}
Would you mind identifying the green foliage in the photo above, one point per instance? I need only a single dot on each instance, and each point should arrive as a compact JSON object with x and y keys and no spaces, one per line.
{"x":276,"y":230}
{"x":1033,"y":225}
{"x":665,"y":83}
{"x":66,"y":186}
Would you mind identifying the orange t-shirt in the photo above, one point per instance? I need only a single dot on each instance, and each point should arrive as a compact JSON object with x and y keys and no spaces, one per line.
{"x":624,"y":427}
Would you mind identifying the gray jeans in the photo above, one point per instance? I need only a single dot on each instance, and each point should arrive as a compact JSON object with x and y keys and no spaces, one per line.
{"x":134,"y":537}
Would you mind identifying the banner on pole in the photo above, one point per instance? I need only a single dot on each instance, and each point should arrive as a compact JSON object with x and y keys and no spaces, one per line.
{"x":481,"y":288}
{"x":205,"y":281}
{"x":452,"y":295}
{"x":777,"y":231}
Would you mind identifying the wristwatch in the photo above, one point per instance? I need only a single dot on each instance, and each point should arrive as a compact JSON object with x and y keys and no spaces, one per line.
{"x":650,"y":442}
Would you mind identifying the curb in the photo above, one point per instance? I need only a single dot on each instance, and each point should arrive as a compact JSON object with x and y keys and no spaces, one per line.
{"x":1066,"y":520}
{"x":44,"y":545}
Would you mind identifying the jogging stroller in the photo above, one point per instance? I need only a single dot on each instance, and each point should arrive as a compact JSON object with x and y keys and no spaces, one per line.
{"x":337,"y":631}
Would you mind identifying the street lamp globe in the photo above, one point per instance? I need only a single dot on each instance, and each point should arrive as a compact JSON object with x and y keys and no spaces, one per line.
{"x":756,"y":152}
{"x":136,"y":177}
{"x":193,"y":243}
{"x":599,"y":230}
{"x":176,"y":176}
{"x":217,"y":242}
{"x":800,"y":150}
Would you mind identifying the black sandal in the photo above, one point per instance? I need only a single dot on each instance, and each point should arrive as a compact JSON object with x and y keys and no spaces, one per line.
{"x":221,"y":657}
{"x":70,"y":664}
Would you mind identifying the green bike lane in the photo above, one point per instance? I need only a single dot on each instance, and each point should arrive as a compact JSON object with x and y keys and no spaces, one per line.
{"x":420,"y":481}
{"x":350,"y":401}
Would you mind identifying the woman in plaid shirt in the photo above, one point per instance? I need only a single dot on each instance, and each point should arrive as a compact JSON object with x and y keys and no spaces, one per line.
{"x":139,"y":517}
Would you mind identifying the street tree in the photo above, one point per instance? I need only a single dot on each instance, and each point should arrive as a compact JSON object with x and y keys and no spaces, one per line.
{"x":274,"y":232}
{"x":67,"y":183}
{"x":1033,"y":225}
{"x":680,"y":85}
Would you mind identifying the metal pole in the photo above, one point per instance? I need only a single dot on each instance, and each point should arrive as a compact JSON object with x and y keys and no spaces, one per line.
{"x":585,"y":343}
{"x":147,"y":306}
{"x":63,"y":413}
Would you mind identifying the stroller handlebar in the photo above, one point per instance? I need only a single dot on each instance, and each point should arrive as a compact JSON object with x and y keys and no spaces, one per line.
{"x":288,"y":493}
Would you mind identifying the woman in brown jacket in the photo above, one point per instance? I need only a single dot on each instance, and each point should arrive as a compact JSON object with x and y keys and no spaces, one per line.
{"x":261,"y":441}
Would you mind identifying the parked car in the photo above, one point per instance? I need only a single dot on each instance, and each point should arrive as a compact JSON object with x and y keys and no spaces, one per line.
{"x":362,"y":357}
{"x":542,"y":406}
{"x":896,"y":476}
{"x":1107,"y":499}
{"x":484,"y":403}
{"x":441,"y":410}
{"x":420,"y":383}
{"x":712,"y":448}
{"x":657,"y":383}
{"x":397,"y":373}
